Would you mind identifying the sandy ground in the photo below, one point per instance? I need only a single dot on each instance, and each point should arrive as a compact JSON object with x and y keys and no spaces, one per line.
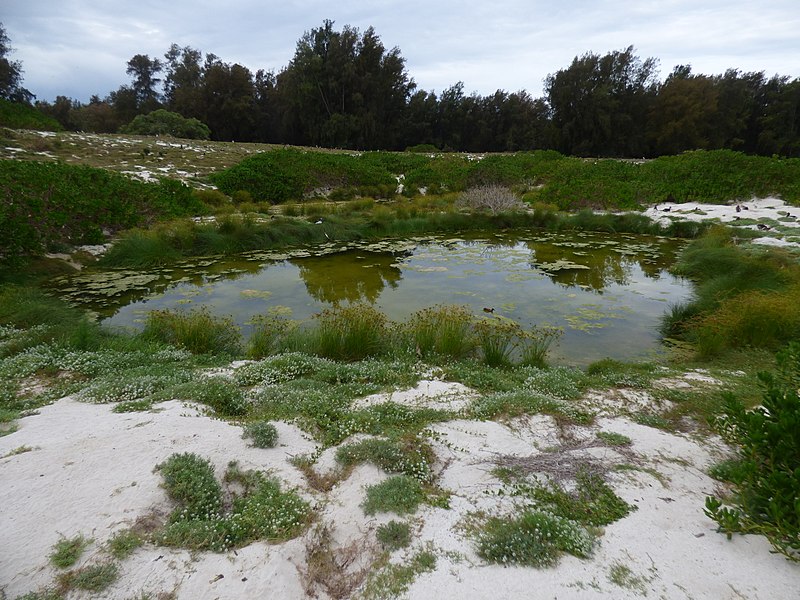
{"x":78,"y":468}
{"x":90,"y":471}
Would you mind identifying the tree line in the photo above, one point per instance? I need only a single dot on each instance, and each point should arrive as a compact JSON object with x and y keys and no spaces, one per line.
{"x":344,"y":88}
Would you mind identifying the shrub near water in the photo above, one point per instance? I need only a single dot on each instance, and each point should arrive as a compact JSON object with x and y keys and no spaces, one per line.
{"x":767,"y":476}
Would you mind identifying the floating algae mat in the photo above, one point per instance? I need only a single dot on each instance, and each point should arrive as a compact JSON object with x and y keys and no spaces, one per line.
{"x":606,"y":291}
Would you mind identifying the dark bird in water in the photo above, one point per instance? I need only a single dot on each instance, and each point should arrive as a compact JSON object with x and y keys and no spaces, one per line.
{"x":488,"y":310}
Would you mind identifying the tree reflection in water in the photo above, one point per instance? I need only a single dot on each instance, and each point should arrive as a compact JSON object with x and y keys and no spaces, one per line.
{"x":355,"y":275}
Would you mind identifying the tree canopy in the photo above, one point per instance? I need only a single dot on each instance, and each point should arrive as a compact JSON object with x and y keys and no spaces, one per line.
{"x":343,"y":88}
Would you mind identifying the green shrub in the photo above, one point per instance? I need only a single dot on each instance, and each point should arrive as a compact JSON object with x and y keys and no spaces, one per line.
{"x":768,"y":437}
{"x":164,"y":122}
{"x":17,"y":115}
{"x":66,"y":552}
{"x":534,"y":539}
{"x":262,"y":511}
{"x":58,"y":205}
{"x":399,"y":494}
{"x":262,"y":433}
{"x":197,"y":331}
{"x":405,"y":456}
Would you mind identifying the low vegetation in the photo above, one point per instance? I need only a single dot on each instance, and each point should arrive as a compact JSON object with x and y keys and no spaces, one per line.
{"x":199,"y":522}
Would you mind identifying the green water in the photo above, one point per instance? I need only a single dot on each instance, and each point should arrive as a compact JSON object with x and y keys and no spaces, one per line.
{"x":607,"y":292}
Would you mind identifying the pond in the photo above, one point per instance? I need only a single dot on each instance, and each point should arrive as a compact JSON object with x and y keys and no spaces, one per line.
{"x":606,"y":291}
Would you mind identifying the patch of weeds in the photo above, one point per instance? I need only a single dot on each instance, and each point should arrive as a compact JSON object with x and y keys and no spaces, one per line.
{"x":560,"y":382}
{"x":611,"y":438}
{"x":592,"y":502}
{"x":613,"y":373}
{"x":334,"y":570}
{"x":656,"y":421}
{"x":42,"y":594}
{"x":394,"y":535}
{"x":409,"y":456}
{"x":395,"y":579}
{"x":94,"y":578}
{"x":67,"y":551}
{"x":622,"y":576}
{"x":734,"y":471}
{"x":261,"y":511}
{"x":133,"y":406}
{"x":219,"y":393}
{"x":441,"y":332}
{"x":19,"y":450}
{"x":514,"y":403}
{"x":262,"y":434}
{"x":399,"y":494}
{"x":533,"y":538}
{"x":8,"y":430}
{"x":123,"y":544}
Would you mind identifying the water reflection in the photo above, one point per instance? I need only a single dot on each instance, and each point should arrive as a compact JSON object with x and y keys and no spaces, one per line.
{"x":606,"y":291}
{"x":354,"y":276}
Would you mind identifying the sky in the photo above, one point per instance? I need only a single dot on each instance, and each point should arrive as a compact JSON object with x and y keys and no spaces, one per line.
{"x":77,"y":48}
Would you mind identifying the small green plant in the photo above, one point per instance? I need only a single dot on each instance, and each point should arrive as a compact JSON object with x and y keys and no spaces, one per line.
{"x":394,"y":535}
{"x":43,"y":594}
{"x":534,"y":539}
{"x":262,"y":434}
{"x":67,"y":551}
{"x":219,"y":393}
{"x":399,"y":494}
{"x":123,"y":543}
{"x":614,"y":439}
{"x":93,"y":578}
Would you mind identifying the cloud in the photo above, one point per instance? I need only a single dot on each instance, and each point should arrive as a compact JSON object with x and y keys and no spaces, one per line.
{"x":80,"y":48}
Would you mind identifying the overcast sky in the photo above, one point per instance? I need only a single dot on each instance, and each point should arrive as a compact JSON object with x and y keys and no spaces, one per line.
{"x":78,"y":48}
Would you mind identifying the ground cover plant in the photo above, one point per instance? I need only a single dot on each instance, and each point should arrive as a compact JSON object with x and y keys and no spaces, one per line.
{"x":261,"y":511}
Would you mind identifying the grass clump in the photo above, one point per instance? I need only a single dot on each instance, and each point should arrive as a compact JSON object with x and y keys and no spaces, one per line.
{"x":189,"y":481}
{"x":441,"y":332}
{"x":67,"y":551}
{"x":766,"y":476}
{"x":534,"y":539}
{"x":614,"y":439}
{"x":350,"y":333}
{"x":124,"y":543}
{"x":262,"y":434}
{"x":94,"y":578}
{"x":399,"y":494}
{"x":393,"y":580}
{"x":394,"y":535}
{"x":197,"y":331}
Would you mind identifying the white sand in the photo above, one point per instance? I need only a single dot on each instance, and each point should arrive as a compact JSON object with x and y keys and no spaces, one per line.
{"x":91,"y":472}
